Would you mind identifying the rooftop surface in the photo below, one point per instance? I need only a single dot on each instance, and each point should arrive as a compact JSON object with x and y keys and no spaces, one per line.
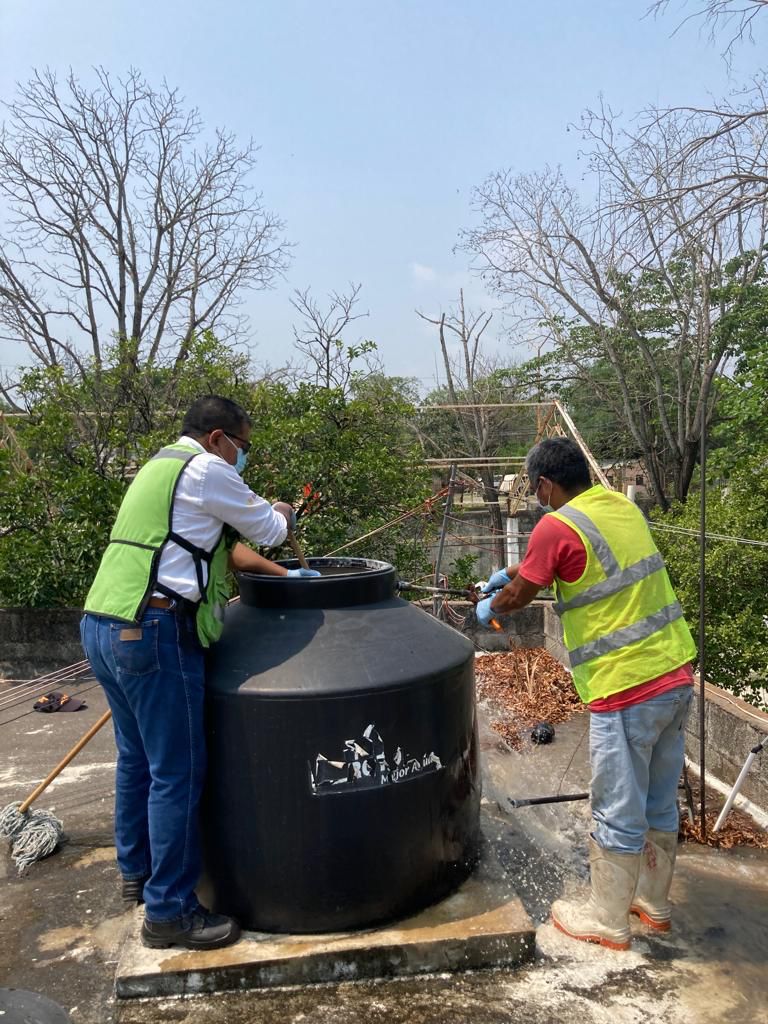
{"x":64,"y":926}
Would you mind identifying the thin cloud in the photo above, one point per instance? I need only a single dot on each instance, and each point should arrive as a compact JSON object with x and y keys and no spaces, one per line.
{"x":423,"y":274}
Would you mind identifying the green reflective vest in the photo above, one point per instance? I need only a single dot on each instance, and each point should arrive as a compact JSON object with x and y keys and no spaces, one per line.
{"x":127,"y":575}
{"x":622,"y":623}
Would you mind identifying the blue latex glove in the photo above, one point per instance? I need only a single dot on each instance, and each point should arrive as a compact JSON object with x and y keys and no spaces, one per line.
{"x":484,"y":612}
{"x":499,"y":579}
{"x":302,"y":573}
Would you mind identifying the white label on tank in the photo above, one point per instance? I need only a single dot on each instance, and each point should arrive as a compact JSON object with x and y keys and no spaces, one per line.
{"x":364,"y":764}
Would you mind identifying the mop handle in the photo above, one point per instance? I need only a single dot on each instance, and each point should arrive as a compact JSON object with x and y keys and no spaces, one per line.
{"x":297,"y":550}
{"x":65,"y":761}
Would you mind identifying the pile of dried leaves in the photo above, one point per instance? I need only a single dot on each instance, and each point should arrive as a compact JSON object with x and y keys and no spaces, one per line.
{"x":738,"y":828}
{"x":525,"y":686}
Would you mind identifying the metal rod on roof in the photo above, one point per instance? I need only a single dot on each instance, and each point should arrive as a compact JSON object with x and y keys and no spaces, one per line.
{"x":446,"y":513}
{"x":702,"y":610}
{"x":486,"y":405}
{"x":487,"y":460}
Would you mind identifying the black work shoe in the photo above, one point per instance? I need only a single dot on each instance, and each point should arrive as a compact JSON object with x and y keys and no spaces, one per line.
{"x":199,"y":930}
{"x":133,"y":889}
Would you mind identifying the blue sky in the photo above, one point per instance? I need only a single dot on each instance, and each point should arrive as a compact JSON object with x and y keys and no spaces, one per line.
{"x":376,"y":119}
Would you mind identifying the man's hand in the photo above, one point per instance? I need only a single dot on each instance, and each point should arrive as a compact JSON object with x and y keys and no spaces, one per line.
{"x":484,"y":612}
{"x":302,"y":573}
{"x":500,"y":579}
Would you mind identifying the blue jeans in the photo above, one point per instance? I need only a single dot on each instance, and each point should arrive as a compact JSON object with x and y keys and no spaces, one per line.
{"x":153,"y":676}
{"x":637,"y":758}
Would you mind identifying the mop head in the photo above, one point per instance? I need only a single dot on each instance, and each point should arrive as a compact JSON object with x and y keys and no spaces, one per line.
{"x":33,"y":835}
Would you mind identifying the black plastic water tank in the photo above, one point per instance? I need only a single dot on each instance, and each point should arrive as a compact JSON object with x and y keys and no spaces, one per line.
{"x":343,"y":781}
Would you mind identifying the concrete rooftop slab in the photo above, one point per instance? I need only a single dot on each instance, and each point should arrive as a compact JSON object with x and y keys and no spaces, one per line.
{"x":63,"y":923}
{"x":483,"y":924}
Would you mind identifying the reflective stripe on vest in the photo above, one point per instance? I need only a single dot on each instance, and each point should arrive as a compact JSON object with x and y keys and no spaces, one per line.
{"x":620,"y":580}
{"x":639,"y":630}
{"x":605,"y":556}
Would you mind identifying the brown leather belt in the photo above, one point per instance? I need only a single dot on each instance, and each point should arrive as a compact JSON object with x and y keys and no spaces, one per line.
{"x":160,"y":602}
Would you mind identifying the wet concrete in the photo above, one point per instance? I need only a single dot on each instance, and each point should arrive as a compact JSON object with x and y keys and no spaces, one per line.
{"x":481,"y":925}
{"x":62,"y":925}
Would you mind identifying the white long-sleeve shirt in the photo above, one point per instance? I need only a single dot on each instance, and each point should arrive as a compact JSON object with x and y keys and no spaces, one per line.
{"x":210,"y":493}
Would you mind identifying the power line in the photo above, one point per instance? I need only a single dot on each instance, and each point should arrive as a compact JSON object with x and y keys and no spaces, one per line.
{"x":728,"y":538}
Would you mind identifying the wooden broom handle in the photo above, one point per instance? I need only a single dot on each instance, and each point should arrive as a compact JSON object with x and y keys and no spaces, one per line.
{"x":297,"y":550}
{"x":65,"y":761}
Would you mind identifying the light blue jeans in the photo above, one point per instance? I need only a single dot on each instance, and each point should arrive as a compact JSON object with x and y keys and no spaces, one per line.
{"x":637,"y":758}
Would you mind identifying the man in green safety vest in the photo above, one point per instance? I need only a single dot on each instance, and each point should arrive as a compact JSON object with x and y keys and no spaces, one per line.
{"x":155,"y":605}
{"x":630,"y":652}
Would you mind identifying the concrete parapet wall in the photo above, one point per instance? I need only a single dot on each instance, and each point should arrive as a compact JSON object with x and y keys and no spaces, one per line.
{"x":521,"y":629}
{"x":732,"y":729}
{"x":35,"y":641}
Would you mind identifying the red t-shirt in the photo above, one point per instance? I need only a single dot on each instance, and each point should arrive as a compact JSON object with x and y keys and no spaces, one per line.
{"x":554,"y":549}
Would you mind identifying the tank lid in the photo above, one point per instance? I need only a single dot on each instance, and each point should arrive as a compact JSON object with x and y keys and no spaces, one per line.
{"x":343,"y":582}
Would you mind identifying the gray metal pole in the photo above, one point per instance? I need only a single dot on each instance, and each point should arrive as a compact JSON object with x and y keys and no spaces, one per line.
{"x":702,"y":612}
{"x":437,"y":601}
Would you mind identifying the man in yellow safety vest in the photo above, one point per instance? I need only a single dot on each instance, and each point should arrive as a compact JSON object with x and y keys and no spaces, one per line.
{"x":630,"y":651}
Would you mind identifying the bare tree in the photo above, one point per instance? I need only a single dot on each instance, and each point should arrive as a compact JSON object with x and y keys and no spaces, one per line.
{"x":637,"y":278}
{"x":123,"y":225}
{"x":720,"y":152}
{"x":469,"y":374}
{"x":734,"y":16}
{"x":329,"y":361}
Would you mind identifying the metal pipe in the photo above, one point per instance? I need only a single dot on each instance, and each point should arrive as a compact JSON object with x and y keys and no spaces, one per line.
{"x":737,"y":785}
{"x":702,"y":606}
{"x":447,"y":591}
{"x":441,"y":545}
{"x":564,"y":798}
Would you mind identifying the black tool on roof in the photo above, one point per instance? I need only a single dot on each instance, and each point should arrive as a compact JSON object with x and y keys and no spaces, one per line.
{"x":560,"y":799}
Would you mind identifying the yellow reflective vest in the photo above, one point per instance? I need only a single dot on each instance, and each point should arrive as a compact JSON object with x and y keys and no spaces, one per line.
{"x":621,"y":620}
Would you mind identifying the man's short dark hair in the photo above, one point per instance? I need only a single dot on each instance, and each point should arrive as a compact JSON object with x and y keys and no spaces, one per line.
{"x":212,"y":412}
{"x":560,"y":460}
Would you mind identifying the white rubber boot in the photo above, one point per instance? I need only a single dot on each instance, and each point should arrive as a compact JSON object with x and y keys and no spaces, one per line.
{"x":604,"y":917}
{"x":651,"y":902}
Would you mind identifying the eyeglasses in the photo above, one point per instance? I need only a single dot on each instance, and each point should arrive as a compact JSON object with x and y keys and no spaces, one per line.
{"x":246,"y":445}
{"x":533,"y":491}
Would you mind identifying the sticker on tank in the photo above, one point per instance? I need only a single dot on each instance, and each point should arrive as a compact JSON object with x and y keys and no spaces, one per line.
{"x":364,"y":765}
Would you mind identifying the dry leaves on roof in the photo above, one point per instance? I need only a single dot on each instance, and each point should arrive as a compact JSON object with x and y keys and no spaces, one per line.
{"x":524,"y":686}
{"x":738,"y":828}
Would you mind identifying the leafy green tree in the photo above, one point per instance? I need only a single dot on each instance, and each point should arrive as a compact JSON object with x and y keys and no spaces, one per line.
{"x":356,"y":452}
{"x":66,"y":463}
{"x":740,"y":436}
{"x":736,"y":613}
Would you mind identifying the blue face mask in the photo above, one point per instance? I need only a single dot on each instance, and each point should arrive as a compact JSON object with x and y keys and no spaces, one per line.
{"x":242,"y":458}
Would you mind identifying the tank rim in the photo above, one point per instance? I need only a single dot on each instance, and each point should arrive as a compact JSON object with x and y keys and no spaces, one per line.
{"x":367,"y":581}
